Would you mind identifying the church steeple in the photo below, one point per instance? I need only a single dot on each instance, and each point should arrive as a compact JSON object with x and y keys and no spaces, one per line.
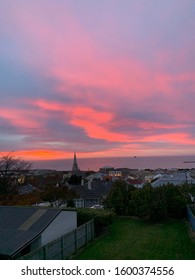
{"x":75,"y":168}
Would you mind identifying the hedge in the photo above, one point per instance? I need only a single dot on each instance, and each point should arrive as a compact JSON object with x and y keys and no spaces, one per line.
{"x":102,"y":218}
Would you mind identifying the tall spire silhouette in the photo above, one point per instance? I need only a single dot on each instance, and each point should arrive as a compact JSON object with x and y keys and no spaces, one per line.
{"x":75,"y":168}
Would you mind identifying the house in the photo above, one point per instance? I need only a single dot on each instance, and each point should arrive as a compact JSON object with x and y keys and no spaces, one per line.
{"x":177,"y":179}
{"x":24,"y":229}
{"x":136,"y":182}
{"x":106,"y":169}
{"x":96,"y":176}
{"x":115,"y":173}
{"x":91,"y":193}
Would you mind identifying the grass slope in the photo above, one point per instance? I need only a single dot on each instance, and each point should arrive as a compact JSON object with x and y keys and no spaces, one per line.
{"x":138,"y":240}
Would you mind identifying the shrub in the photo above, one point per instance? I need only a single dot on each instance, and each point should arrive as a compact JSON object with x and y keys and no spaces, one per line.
{"x":154,"y":204}
{"x":159,"y":203}
{"x":102,"y":218}
{"x":176,"y":201}
{"x":70,"y":203}
{"x":119,"y":198}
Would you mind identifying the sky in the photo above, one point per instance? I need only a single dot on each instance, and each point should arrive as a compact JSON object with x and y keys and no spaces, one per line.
{"x":97,"y":77}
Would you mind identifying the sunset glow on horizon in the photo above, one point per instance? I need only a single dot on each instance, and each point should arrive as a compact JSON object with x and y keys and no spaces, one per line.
{"x":103,"y":78}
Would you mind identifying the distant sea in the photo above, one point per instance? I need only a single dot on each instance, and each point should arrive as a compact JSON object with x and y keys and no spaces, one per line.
{"x":165,"y":162}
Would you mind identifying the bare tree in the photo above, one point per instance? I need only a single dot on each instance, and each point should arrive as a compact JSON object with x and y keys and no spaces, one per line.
{"x":11,"y":168}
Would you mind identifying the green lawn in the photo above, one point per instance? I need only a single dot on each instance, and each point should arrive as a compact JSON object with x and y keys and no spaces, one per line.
{"x":128,"y":239}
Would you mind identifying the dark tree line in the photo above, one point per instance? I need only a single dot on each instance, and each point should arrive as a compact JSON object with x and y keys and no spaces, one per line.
{"x":155,"y":204}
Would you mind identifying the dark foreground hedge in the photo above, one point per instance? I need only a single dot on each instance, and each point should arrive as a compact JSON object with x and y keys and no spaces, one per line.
{"x":155,"y":204}
{"x":102,"y":218}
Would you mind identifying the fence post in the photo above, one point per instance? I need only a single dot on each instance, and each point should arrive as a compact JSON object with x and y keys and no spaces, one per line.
{"x":92,"y":229}
{"x":86,"y":233}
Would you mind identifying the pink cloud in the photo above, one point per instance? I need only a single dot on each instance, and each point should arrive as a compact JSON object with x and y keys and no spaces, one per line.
{"x":74,"y":58}
{"x":174,"y":138}
{"x":64,"y":51}
{"x":19,"y":118}
{"x":101,"y":125}
{"x":93,"y":122}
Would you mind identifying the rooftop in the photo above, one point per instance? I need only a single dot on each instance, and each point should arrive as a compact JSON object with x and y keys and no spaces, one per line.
{"x":20,"y":225}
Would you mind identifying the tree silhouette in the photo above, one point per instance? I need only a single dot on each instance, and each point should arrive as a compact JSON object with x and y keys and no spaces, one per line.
{"x":11,"y":168}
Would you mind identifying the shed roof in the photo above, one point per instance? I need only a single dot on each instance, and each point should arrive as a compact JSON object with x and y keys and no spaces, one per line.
{"x":20,"y":225}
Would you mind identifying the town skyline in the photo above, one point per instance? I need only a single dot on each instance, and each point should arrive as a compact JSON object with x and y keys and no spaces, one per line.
{"x":101,"y":78}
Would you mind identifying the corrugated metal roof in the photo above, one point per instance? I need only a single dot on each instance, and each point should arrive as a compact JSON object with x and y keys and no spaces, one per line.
{"x":20,"y":225}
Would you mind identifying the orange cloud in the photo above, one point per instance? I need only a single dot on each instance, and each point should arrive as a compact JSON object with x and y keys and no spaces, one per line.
{"x":31,"y":155}
{"x":43,"y":154}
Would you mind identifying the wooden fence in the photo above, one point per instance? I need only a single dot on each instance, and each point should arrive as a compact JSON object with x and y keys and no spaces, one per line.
{"x":64,"y":246}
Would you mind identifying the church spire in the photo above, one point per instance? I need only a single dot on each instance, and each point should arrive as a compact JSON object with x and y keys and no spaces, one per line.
{"x":75,"y":168}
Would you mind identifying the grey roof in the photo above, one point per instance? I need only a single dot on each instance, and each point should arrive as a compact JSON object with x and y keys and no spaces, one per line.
{"x":20,"y":225}
{"x":98,"y":189}
{"x":175,"y":179}
{"x":26,"y":189}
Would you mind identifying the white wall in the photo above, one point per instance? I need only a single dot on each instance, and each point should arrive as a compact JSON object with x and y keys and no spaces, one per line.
{"x":62,"y":224}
